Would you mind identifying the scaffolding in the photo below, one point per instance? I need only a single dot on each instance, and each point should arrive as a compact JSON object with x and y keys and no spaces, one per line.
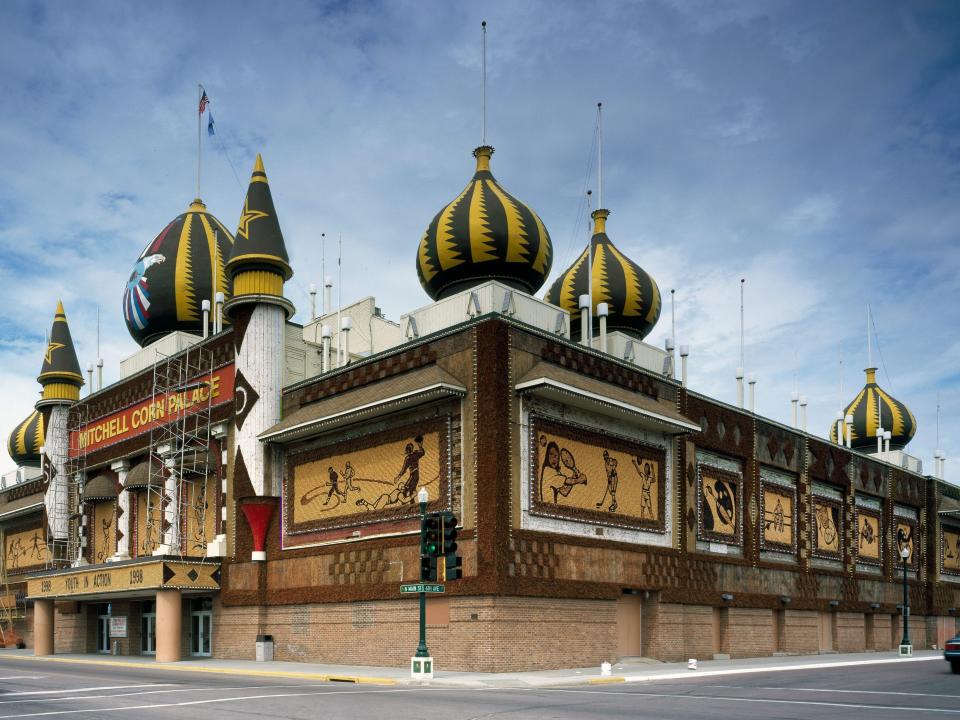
{"x":180,"y":460}
{"x":64,"y":466}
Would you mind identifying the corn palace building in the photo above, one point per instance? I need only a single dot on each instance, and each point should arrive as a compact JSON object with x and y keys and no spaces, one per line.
{"x":250,"y":477}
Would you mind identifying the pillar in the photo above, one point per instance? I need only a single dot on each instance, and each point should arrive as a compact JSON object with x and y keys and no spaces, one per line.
{"x":124,"y":516}
{"x":169,"y":619}
{"x":43,"y":627}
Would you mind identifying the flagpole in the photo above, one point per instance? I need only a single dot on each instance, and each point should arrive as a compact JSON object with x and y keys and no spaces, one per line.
{"x":199,"y":117}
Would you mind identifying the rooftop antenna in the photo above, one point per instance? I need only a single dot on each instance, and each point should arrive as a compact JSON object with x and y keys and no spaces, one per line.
{"x":599,"y":154}
{"x":99,"y":356}
{"x":673,"y":317}
{"x":202,"y":101}
{"x":740,"y":367}
{"x":589,"y":273}
{"x":483,"y":86}
{"x":339,"y":297}
{"x":869,"y":343}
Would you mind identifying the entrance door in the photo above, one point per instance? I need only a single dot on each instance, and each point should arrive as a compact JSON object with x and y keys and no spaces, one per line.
{"x":628,"y":626}
{"x":148,"y":629}
{"x":103,"y":633}
{"x":201,"y":626}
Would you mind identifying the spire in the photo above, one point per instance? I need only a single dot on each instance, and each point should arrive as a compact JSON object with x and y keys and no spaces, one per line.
{"x":259,"y":264}
{"x":60,"y":376}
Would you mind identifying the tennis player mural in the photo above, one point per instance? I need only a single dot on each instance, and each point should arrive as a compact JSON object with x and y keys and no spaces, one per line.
{"x":581,"y":474}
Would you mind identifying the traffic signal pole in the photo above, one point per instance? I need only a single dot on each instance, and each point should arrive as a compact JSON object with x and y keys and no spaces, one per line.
{"x":422,"y":646}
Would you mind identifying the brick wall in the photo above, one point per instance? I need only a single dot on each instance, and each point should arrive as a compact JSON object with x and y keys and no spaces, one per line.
{"x":749,"y":633}
{"x":800,"y":632}
{"x":850,"y":632}
{"x":483,"y":634}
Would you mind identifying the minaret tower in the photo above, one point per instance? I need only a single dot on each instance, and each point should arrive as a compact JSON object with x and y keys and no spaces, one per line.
{"x":258,"y":268}
{"x":61,"y":378}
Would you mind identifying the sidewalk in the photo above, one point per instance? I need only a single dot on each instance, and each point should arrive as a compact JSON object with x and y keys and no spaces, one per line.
{"x":638,"y":671}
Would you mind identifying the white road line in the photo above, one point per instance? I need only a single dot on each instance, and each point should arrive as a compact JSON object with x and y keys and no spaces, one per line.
{"x":693,"y":674}
{"x":827,"y":690}
{"x":85,"y":689}
{"x":150,"y":692}
{"x":853,"y":706}
{"x":159,"y":706}
{"x":23,"y":677}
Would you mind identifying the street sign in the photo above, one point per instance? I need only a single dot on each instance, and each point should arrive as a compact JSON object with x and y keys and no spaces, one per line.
{"x":421,"y":587}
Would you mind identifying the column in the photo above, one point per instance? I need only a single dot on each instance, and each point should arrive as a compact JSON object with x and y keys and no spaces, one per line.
{"x":169,"y":618}
{"x":43,"y":627}
{"x":122,"y":467}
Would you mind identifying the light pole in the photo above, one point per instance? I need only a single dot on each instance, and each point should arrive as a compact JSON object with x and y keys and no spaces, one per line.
{"x":423,"y":498}
{"x":905,"y":647}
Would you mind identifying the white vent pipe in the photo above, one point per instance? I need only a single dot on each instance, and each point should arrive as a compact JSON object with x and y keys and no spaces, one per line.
{"x":313,"y":302}
{"x":684,"y":354}
{"x":205,"y":306}
{"x":90,"y":380}
{"x":848,"y":422}
{"x":100,"y":374}
{"x":739,"y":387}
{"x":327,"y":294}
{"x":886,"y":440}
{"x":218,"y":316}
{"x":752,"y":382}
{"x":880,"y":439}
{"x":603,"y":309}
{"x":840,"y":427}
{"x":669,"y":347}
{"x":325,"y":345}
{"x":346,"y":326}
{"x":794,"y":399}
{"x":803,"y":413}
{"x":584,"y":319}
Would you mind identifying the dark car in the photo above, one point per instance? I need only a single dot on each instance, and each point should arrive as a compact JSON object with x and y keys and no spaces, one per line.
{"x":951,"y":653}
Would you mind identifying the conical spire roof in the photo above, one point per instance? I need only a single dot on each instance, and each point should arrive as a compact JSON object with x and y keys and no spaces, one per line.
{"x":26,"y":440}
{"x":60,"y":362}
{"x":484,"y":234}
{"x":631,"y":294}
{"x":873,"y":401}
{"x":258,"y":242}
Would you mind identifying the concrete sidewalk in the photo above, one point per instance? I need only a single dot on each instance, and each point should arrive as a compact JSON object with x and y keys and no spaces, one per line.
{"x":633,"y":671}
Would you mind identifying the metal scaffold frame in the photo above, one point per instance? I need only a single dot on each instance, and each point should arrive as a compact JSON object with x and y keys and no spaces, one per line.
{"x":65,"y":489}
{"x":180,"y":461}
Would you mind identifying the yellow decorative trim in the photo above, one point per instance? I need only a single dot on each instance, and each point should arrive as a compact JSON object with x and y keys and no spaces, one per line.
{"x":600,"y":220}
{"x":257,"y":282}
{"x":66,"y":376}
{"x":197,"y":206}
{"x":262,"y":258}
{"x":481,"y":243}
{"x":60,"y":391}
{"x":483,"y":154}
{"x":517,"y":237}
{"x":183,"y":280}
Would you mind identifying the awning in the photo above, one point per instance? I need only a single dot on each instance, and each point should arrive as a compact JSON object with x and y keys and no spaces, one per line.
{"x":138,"y":478}
{"x":101,"y":487}
{"x":570,"y":388}
{"x":387,"y":396}
{"x":125,"y":579}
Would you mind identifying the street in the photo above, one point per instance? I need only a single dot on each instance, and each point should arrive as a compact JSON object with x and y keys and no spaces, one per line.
{"x":30,"y":688}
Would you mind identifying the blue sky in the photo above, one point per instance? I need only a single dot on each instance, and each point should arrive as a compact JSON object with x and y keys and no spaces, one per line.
{"x":813,"y":148}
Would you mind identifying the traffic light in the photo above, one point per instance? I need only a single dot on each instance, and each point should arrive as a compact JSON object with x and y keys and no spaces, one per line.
{"x":428,"y":569}
{"x":430,"y":536}
{"x":452,"y":563}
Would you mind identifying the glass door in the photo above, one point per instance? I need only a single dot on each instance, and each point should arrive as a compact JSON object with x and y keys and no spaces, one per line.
{"x":201,"y":626}
{"x":103,"y":633}
{"x":148,"y":629}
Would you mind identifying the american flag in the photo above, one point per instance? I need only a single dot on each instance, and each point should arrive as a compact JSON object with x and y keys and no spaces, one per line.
{"x":204,"y":101}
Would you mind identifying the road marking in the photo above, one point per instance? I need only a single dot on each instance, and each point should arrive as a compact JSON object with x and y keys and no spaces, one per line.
{"x":692,"y":674}
{"x":159,"y":706}
{"x":147,"y":692}
{"x":23,"y":677}
{"x":722,"y":698}
{"x":86,"y":689}
{"x":827,"y":690}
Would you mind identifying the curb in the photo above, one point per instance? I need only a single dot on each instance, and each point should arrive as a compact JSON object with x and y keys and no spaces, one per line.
{"x":357,"y":679}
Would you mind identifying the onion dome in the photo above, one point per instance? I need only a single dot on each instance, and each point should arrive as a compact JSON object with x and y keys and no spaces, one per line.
{"x":894,"y":416}
{"x":632,"y":296}
{"x":175,"y":273}
{"x":484,"y":234}
{"x":259,"y":264}
{"x":26,"y":440}
{"x":60,"y":375}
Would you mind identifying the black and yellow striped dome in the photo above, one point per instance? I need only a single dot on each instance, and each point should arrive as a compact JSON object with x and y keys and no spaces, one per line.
{"x":632,"y":296}
{"x":175,"y":273}
{"x":484,"y":234}
{"x":26,"y":440}
{"x":894,"y":416}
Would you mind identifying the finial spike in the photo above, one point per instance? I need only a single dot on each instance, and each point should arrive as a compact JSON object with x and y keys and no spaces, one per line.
{"x":483,"y":89}
{"x":600,"y":154}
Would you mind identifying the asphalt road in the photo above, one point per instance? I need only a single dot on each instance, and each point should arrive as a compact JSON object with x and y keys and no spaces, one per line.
{"x":31,"y":689}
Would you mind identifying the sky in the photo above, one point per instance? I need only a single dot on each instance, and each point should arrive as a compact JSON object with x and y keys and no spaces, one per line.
{"x":812,"y":148}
